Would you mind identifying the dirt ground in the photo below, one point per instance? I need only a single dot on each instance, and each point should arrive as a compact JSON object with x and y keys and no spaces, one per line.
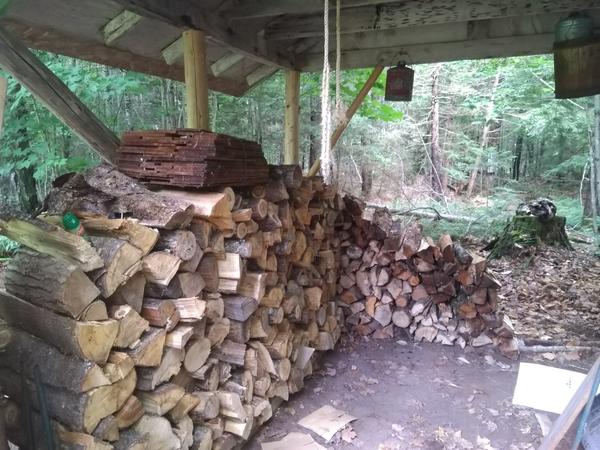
{"x":416,"y":396}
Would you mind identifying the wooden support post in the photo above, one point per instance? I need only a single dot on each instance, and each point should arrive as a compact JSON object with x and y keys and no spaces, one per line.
{"x":291,"y":154}
{"x":196,"y":79}
{"x":360,"y":97}
{"x":3,"y":93}
{"x":16,"y":59}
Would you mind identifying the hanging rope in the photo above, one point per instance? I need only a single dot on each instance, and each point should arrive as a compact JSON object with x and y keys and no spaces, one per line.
{"x":325,"y":111}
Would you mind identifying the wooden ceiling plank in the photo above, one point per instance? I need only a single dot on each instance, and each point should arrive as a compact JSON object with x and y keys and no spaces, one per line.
{"x":119,"y":25}
{"x":173,"y":52}
{"x":22,"y":64}
{"x":259,"y":74}
{"x":222,"y":65}
{"x":186,"y":14}
{"x":420,"y":13}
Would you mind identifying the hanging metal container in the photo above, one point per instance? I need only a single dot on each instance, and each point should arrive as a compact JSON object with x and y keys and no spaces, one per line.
{"x":399,"y":84}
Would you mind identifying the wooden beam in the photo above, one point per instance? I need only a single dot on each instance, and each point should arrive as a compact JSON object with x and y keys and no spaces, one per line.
{"x":173,"y":52}
{"x":291,"y":153}
{"x":196,"y":85}
{"x":360,"y":97}
{"x":222,"y":65}
{"x":119,"y":25}
{"x":440,"y":52}
{"x":250,"y":9}
{"x":18,"y":60}
{"x":186,"y":14}
{"x":419,"y":13}
{"x":259,"y":74}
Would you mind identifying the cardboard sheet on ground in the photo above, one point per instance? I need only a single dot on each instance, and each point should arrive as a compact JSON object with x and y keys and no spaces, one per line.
{"x":291,"y":441}
{"x":326,"y":421}
{"x":545,"y":388}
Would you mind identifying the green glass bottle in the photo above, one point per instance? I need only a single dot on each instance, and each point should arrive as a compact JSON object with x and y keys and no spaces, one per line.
{"x":72,"y":224}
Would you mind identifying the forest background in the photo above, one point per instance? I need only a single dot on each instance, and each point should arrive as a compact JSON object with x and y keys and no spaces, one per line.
{"x":478,"y":138}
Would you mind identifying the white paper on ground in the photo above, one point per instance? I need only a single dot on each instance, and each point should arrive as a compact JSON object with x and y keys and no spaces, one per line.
{"x":326,"y":421}
{"x":292,"y":441}
{"x":545,"y":388}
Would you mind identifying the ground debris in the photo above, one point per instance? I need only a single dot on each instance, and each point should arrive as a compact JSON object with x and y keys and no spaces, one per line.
{"x":550,"y":294}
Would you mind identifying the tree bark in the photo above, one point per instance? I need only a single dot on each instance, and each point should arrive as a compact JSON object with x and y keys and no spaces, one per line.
{"x":484,"y":135}
{"x":437,"y":170}
{"x":595,"y":163}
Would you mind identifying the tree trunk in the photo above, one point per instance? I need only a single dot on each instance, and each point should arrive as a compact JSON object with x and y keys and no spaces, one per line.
{"x":516,"y":168}
{"x":437,"y":170}
{"x":595,"y":162}
{"x":28,"y":196}
{"x":484,"y":135}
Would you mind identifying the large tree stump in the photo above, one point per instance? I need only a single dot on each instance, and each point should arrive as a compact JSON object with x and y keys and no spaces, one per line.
{"x":527,"y":231}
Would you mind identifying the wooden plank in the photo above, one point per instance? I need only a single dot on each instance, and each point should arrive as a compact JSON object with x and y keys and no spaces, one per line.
{"x":196,"y":86}
{"x":50,"y":90}
{"x":571,"y":413}
{"x":260,"y":74}
{"x":360,"y":97}
{"x":418,"y":13}
{"x":222,"y":65}
{"x":119,"y":25}
{"x":291,"y":154}
{"x":173,"y":52}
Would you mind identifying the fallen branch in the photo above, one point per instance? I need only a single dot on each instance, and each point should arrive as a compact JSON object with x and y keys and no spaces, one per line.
{"x":435,"y":215}
{"x":554,"y":348}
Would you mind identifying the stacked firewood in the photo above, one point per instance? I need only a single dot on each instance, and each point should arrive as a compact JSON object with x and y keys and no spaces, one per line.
{"x":398,"y":279}
{"x":177,"y":320}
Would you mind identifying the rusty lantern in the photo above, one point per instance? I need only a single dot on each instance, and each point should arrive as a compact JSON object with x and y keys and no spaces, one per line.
{"x":399,"y":84}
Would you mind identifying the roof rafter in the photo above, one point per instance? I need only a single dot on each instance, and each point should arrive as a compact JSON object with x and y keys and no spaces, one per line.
{"x":190,"y":14}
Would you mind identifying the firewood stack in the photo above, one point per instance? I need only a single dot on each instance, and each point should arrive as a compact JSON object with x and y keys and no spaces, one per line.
{"x":393,"y":279}
{"x":179,"y":320}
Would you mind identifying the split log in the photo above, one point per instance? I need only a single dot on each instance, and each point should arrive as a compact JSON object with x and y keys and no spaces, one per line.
{"x":197,"y":353}
{"x":185,"y":284}
{"x":131,"y":325}
{"x":121,"y":262}
{"x":50,"y":240}
{"x":180,"y":243}
{"x":206,"y":204}
{"x":162,"y":399}
{"x":148,"y":352}
{"x":131,"y":293}
{"x":170,"y":364}
{"x":159,"y":432}
{"x":139,"y":236}
{"x":208,"y":406}
{"x":185,"y":404}
{"x":80,"y":412}
{"x":130,"y":412}
{"x":95,"y":311}
{"x":118,"y":366}
{"x":57,"y":370}
{"x":49,"y":282}
{"x":238,"y":307}
{"x":87,"y":340}
{"x":105,"y":191}
{"x":160,"y":267}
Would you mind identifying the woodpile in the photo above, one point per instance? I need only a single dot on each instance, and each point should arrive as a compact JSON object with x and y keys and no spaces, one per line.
{"x":191,"y":158}
{"x":200,"y":313}
{"x":393,"y":280}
